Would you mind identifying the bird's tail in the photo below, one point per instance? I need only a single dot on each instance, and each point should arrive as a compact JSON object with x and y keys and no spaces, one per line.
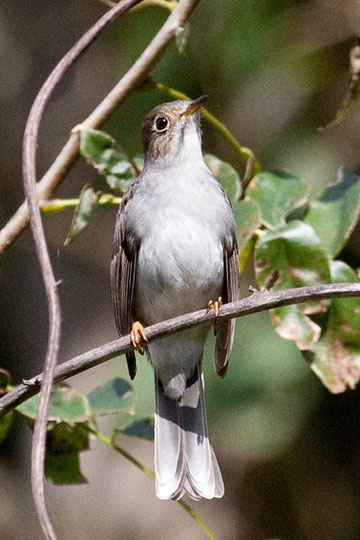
{"x":184,"y":458}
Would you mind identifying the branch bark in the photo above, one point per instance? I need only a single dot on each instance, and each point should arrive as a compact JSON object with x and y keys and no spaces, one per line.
{"x":67,"y":156}
{"x":258,"y":301}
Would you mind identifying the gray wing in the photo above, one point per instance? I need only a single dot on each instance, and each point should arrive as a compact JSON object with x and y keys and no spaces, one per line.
{"x":122,"y":275}
{"x":225,"y":330}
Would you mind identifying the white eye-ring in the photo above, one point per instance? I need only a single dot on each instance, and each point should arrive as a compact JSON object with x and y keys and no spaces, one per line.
{"x":161,"y":124}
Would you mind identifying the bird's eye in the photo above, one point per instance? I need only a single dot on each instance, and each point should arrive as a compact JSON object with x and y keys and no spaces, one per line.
{"x":161,"y":123}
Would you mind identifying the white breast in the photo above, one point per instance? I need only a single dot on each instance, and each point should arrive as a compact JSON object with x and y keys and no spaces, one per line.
{"x":183,"y":220}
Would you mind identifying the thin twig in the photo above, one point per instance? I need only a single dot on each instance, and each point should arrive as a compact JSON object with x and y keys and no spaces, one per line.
{"x":109,"y":442}
{"x":198,"y":519}
{"x":56,"y":205}
{"x":258,"y":301}
{"x":67,"y":156}
{"x":247,"y":177}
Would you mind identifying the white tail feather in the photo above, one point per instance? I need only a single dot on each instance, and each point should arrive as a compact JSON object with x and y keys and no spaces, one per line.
{"x":184,"y":458}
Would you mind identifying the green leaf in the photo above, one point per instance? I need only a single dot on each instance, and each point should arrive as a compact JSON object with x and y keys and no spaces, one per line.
{"x":66,"y":405}
{"x":83,"y":212}
{"x":290,"y":323}
{"x":336,"y":365}
{"x":115,"y":396}
{"x":336,"y":358}
{"x":64,"y":468}
{"x":294,"y":253}
{"x":248,"y":219}
{"x":63,"y":438}
{"x":143,"y":428}
{"x":334,"y":213}
{"x":67,"y":433}
{"x":226,"y":175}
{"x":277,"y":194}
{"x":5,"y":424}
{"x":72,"y":406}
{"x":108,"y":158}
{"x":345,"y":312}
{"x":291,"y":256}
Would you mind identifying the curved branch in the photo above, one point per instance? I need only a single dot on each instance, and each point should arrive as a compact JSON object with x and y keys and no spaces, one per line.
{"x":65,"y":159}
{"x":258,"y":301}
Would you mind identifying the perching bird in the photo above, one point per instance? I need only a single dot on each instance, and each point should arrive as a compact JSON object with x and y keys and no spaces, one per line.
{"x":174,"y":252}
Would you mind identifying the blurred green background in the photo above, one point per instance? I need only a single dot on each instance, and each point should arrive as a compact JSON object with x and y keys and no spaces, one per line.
{"x":274,"y":71}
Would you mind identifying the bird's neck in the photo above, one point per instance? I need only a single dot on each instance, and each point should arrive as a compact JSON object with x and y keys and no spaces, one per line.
{"x":186,"y":154}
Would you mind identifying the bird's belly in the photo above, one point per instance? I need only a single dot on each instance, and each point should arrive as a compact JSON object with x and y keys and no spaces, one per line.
{"x":178,"y":271}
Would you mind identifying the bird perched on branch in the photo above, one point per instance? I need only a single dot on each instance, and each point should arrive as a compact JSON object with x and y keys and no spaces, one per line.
{"x":175,"y":252}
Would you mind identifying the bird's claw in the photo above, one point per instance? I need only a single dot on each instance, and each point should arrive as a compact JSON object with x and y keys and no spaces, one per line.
{"x":137,"y":335}
{"x":215,"y":305}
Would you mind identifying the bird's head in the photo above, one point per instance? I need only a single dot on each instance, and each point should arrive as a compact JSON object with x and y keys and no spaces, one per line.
{"x":172,"y":130}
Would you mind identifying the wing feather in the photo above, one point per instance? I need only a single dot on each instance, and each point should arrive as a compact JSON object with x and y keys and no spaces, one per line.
{"x":123,"y":274}
{"x":225,"y":330}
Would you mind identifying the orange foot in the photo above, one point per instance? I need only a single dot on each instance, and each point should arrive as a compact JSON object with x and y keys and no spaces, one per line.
{"x":137,"y":335}
{"x":215,"y":305}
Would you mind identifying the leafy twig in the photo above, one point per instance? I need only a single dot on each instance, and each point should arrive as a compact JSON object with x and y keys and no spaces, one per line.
{"x":109,"y":442}
{"x":253,"y":304}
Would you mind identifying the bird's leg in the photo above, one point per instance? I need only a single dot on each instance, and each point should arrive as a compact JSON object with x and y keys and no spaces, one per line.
{"x":137,"y":335}
{"x":215,"y":305}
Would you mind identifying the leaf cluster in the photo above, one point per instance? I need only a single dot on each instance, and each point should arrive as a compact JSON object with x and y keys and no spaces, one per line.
{"x":73,"y":417}
{"x":298,"y":239}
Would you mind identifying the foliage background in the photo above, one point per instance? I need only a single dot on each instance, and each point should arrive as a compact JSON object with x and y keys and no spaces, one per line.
{"x":274,"y":71}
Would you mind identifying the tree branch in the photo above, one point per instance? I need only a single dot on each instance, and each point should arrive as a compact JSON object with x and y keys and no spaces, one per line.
{"x":64,"y":161}
{"x":258,"y":301}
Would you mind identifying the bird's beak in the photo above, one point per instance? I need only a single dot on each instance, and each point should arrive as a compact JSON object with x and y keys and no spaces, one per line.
{"x":195,"y":106}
